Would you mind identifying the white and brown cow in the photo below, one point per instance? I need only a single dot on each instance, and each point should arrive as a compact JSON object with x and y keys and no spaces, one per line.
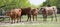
{"x":47,"y":11}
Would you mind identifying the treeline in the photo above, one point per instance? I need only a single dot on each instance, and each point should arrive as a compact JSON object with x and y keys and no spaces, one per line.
{"x":9,"y":4}
{"x":52,"y":3}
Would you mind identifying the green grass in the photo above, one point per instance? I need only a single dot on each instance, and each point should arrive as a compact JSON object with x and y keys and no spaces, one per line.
{"x":42,"y":24}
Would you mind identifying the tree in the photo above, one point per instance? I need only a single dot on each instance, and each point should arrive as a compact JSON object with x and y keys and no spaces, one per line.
{"x":52,"y":3}
{"x":9,"y":4}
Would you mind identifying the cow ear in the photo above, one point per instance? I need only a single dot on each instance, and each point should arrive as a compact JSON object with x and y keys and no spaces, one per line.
{"x":20,"y":10}
{"x":41,"y":8}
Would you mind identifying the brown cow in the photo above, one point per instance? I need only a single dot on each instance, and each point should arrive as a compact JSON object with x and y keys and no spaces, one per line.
{"x":26,"y":11}
{"x":34,"y":13}
{"x":14,"y":14}
{"x":46,"y":11}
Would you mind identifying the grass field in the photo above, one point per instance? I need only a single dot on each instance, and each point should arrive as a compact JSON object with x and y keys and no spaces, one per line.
{"x":40,"y":24}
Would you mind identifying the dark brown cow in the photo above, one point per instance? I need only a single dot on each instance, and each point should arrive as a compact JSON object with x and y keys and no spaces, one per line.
{"x":26,"y":11}
{"x":14,"y":14}
{"x":34,"y":13}
{"x":46,"y":11}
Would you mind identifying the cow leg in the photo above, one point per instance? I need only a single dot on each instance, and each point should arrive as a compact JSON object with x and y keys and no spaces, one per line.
{"x":52,"y":18}
{"x":56,"y":17}
{"x":11,"y":20}
{"x":33,"y":17}
{"x":28,"y":18}
{"x":36,"y":17}
{"x":14,"y":20}
{"x":20,"y":18}
{"x":44,"y":17}
{"x":17,"y":20}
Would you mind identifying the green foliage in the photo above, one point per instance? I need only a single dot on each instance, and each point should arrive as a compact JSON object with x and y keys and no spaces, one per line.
{"x":9,"y":4}
{"x":52,"y":3}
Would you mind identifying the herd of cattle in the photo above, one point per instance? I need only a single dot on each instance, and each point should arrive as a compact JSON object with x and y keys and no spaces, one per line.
{"x":17,"y":13}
